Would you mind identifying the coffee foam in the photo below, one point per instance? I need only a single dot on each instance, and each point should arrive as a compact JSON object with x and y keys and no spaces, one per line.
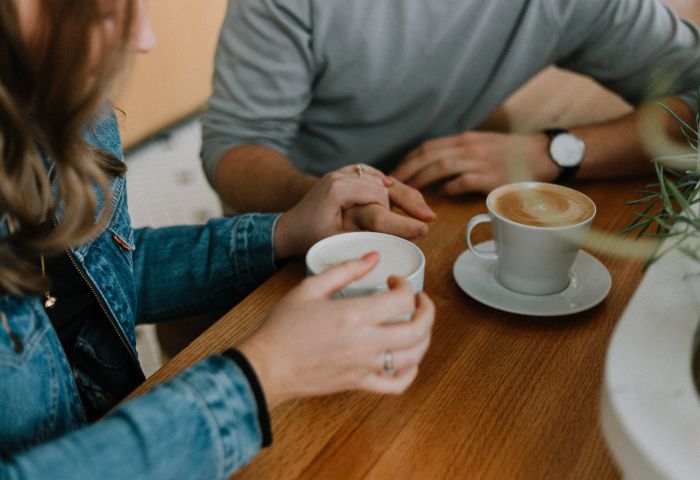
{"x":395,"y":259}
{"x":544,"y":205}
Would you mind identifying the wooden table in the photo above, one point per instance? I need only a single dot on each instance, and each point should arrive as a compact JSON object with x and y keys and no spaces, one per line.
{"x":498,"y":395}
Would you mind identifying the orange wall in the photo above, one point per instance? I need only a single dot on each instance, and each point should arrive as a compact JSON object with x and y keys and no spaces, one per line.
{"x":174,"y":80}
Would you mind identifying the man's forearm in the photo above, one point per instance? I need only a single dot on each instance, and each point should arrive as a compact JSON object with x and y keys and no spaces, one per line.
{"x":255,"y":178}
{"x":623,"y":147}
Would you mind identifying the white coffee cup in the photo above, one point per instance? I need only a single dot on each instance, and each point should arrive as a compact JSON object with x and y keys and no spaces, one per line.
{"x":534,"y":257}
{"x":397,"y":257}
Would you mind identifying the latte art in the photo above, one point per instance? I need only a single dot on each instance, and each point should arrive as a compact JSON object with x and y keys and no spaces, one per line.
{"x":543,"y":206}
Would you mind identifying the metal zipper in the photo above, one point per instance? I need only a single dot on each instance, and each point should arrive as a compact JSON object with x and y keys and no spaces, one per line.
{"x":104,"y":308}
{"x":111,"y":320}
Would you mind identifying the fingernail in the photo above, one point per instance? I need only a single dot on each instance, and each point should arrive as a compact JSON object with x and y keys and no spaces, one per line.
{"x":370,"y":256}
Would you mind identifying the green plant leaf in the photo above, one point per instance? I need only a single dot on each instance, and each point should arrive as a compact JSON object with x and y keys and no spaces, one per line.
{"x":665,"y":199}
{"x":677,"y":195}
{"x":642,"y":221}
{"x":643,"y":200}
{"x":669,"y":208}
{"x":677,"y":118}
{"x":691,"y":142}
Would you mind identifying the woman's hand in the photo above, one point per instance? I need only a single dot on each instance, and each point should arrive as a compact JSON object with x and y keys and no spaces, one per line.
{"x":312,"y":345}
{"x":378,"y":219}
{"x":344,"y":201}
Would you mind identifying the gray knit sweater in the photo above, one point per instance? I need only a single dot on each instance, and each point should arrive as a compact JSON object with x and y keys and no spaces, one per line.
{"x":335,"y":82}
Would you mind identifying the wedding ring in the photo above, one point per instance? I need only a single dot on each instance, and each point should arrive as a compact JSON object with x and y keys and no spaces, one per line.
{"x":360,"y":169}
{"x":388,"y":363}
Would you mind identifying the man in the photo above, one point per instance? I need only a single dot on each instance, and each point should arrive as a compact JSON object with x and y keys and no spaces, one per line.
{"x":305,"y":86}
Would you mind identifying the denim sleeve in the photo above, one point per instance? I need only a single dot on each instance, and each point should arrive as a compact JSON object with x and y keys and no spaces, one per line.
{"x":189,"y":270}
{"x":639,"y":49}
{"x":203,"y":424}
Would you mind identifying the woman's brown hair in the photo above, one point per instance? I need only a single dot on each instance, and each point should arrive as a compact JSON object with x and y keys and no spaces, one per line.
{"x":51,"y":87}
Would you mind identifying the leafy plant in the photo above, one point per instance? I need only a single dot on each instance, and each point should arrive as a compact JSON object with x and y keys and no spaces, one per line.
{"x":671,"y":207}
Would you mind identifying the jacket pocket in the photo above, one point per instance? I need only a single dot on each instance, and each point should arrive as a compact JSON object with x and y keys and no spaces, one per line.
{"x":29,"y":379}
{"x":20,"y":330}
{"x":101,"y":357}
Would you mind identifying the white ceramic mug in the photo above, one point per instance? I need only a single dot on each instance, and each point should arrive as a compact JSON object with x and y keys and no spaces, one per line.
{"x":397,"y":257}
{"x":534,"y":260}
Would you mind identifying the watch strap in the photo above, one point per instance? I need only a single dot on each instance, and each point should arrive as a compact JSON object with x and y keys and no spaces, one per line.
{"x":566,"y":174}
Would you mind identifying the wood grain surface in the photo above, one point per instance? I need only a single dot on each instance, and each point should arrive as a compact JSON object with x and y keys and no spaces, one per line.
{"x":498,"y":395}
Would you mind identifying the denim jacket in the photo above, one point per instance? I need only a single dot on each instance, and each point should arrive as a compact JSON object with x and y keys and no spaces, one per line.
{"x":201,"y":424}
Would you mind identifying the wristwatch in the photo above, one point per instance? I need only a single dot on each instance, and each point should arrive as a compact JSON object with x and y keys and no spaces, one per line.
{"x":566,"y":150}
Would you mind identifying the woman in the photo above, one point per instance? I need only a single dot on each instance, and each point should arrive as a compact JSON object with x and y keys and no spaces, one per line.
{"x":74,"y":280}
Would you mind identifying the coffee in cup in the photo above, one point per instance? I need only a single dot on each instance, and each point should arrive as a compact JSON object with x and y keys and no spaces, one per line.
{"x":538,"y":229}
{"x":543,"y":205}
{"x":397,"y":257}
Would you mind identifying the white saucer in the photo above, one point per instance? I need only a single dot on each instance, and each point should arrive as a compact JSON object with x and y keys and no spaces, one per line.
{"x":590,"y":284}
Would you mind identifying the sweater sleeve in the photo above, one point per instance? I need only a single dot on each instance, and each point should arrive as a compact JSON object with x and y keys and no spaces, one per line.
{"x":263,"y":79}
{"x":639,"y":49}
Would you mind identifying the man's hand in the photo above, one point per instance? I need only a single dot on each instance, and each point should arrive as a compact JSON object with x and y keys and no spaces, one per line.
{"x":477,"y":162}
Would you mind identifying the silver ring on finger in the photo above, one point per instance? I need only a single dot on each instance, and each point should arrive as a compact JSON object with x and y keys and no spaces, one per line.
{"x":388,"y":363}
{"x":360,"y":170}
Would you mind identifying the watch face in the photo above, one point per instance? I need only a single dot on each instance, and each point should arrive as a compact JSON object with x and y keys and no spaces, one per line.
{"x":567,"y":150}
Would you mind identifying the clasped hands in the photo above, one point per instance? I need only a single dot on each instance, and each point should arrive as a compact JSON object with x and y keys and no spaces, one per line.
{"x":352,"y":199}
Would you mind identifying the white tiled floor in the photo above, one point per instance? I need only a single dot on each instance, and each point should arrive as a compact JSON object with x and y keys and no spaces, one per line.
{"x":166,"y":186}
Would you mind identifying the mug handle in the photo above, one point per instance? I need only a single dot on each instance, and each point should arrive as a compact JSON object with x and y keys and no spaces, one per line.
{"x":483,"y":218}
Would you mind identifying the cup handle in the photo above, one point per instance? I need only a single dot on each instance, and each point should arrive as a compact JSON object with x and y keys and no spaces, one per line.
{"x":483,"y":218}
